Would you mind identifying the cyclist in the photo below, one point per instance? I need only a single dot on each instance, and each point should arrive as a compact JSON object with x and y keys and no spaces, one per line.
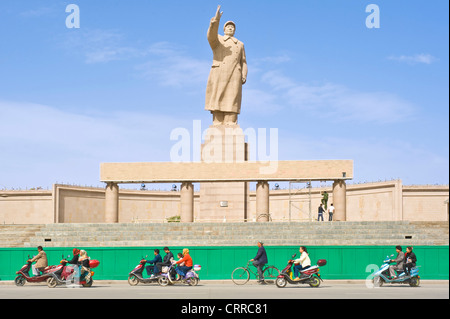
{"x":260,"y":260}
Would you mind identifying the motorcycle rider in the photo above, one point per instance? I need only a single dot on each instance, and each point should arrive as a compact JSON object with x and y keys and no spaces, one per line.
{"x":411,"y":259}
{"x":301,"y":263}
{"x":76,"y":256}
{"x":188,"y":264}
{"x":84,"y":264}
{"x":399,"y":262}
{"x":40,"y":259}
{"x":152,"y":269}
{"x":166,"y":260}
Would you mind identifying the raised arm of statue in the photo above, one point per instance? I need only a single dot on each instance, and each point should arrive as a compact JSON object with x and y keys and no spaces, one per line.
{"x":213,"y":29}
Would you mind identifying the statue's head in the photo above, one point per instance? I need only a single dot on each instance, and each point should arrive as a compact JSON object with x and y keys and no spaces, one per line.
{"x":229,"y":28}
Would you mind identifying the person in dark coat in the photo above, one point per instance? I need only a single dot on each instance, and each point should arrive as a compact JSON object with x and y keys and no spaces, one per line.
{"x":151,"y":268}
{"x":167,"y":260}
{"x":410,"y":259}
{"x":260,"y":260}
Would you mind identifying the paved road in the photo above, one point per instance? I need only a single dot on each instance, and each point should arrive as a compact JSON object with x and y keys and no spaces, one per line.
{"x":205,"y":290}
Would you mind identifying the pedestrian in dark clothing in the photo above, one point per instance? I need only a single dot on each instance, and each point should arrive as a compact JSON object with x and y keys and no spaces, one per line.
{"x":321,"y":211}
{"x":152,"y":269}
{"x":260,"y":260}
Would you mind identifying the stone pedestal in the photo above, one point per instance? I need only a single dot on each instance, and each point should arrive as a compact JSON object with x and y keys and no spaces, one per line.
{"x":224,"y":200}
{"x":340,"y":200}
{"x":112,"y":203}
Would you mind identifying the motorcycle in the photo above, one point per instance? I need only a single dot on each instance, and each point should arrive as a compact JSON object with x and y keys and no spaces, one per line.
{"x":135,"y":276}
{"x":168,"y":276}
{"x":309,"y":275}
{"x":382,"y":276}
{"x":24,"y":275}
{"x":67,"y":274}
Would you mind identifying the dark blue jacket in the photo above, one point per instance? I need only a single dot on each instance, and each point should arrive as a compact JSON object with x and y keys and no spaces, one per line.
{"x":261,"y":256}
{"x":155,"y":260}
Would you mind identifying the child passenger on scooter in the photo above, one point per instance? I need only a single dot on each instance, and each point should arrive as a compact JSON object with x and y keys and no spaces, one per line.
{"x":180,"y":257}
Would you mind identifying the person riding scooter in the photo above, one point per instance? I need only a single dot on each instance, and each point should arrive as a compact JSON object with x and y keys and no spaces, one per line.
{"x":182,"y":270}
{"x":167,"y":261}
{"x":84,"y":264}
{"x":152,"y":269}
{"x":40,"y":259}
{"x":301,"y":263}
{"x":399,"y":263}
{"x":410,"y":259}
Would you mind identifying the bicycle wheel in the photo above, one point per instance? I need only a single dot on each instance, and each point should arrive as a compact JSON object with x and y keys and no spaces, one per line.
{"x":240,"y":276}
{"x":270,"y":274}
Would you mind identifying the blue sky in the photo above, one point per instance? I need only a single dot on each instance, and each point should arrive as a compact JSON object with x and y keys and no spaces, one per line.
{"x":114,"y":89}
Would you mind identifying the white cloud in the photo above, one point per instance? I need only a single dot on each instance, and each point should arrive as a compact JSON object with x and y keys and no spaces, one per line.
{"x":41,"y":145}
{"x":337,"y":102}
{"x":169,"y":65}
{"x":100,"y":46}
{"x":414,"y":59}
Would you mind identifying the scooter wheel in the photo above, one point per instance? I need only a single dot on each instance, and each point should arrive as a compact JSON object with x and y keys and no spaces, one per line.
{"x":163,"y":281}
{"x":414,"y":282}
{"x":280,"y":282}
{"x":193,"y":281}
{"x":88,"y":283}
{"x":51,"y":282}
{"x":314,"y":282}
{"x":20,"y":281}
{"x":132,"y":280}
{"x":378,"y":281}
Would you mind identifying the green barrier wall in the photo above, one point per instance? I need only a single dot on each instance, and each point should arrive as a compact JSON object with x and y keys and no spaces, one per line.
{"x":343,"y":262}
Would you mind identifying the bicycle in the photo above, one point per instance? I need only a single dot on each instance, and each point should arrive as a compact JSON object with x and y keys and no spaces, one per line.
{"x":241,"y":275}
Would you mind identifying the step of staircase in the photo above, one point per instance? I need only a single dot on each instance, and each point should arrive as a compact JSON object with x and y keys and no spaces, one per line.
{"x":17,"y":235}
{"x":238,"y":234}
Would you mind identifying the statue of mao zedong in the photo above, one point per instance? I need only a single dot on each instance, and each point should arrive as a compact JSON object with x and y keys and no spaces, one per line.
{"x":228,"y":73}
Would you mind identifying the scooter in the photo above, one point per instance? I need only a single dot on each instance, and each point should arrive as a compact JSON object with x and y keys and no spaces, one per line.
{"x":24,"y":275}
{"x":382,"y":276}
{"x":136,"y":275}
{"x":169,"y":277}
{"x":68,"y":274}
{"x":309,"y":275}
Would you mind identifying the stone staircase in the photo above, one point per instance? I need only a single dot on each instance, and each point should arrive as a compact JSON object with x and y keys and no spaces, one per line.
{"x":238,"y":234}
{"x":17,"y":235}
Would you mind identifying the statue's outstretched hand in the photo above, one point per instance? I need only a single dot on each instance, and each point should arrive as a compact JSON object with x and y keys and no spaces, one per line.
{"x":218,"y":13}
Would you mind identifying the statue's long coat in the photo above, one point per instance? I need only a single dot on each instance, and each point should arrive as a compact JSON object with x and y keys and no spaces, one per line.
{"x":224,"y":88}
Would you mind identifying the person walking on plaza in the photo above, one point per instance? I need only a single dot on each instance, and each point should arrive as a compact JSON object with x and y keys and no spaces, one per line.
{"x":330,"y":212}
{"x":400,"y":260}
{"x":260,"y":260}
{"x":40,"y":259}
{"x":320,"y":212}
